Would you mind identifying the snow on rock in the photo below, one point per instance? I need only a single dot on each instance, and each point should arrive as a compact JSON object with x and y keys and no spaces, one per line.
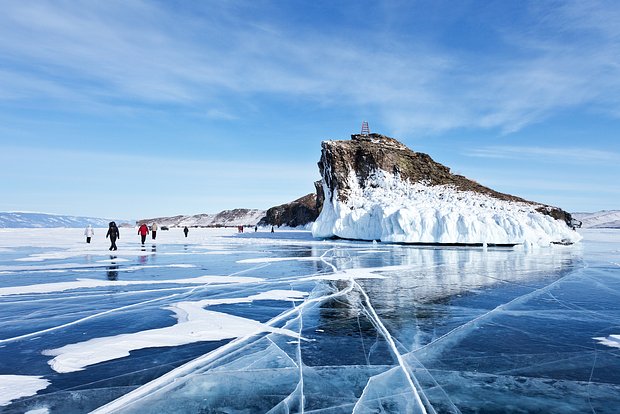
{"x":419,"y":201}
{"x":236,"y":217}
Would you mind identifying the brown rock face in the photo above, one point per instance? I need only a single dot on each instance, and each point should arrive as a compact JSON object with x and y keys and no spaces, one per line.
{"x":296,"y":213}
{"x":365,"y":154}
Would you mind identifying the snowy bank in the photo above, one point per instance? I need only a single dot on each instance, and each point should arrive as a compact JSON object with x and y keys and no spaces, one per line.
{"x":391,"y":209}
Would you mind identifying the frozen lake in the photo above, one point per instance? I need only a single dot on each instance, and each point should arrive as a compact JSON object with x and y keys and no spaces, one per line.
{"x":259,"y":322}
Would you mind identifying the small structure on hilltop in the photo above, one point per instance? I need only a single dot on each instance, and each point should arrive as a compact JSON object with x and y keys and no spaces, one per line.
{"x":365,"y":129}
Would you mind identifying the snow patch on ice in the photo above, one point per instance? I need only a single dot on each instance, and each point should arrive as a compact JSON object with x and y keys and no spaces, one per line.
{"x":43,"y":410}
{"x":70,"y":254}
{"x":290,"y":295}
{"x":115,"y":260}
{"x":95,"y":283}
{"x":59,"y":266}
{"x":279,"y":259}
{"x":195,"y":324}
{"x":13,"y":387}
{"x":612,"y":341}
{"x":390,"y":209}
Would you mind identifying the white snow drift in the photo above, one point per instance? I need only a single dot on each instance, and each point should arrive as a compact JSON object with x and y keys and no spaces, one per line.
{"x":390,"y":209}
{"x":13,"y":387}
{"x":95,"y":283}
{"x":611,"y":340}
{"x":194,"y":324}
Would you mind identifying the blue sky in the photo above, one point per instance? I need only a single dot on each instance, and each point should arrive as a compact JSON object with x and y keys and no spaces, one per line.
{"x":137,"y":109}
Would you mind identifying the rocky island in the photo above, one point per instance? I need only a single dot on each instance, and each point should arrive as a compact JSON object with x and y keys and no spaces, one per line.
{"x":376,"y":188}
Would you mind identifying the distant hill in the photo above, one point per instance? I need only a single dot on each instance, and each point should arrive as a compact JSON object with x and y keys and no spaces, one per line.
{"x":16,"y":219}
{"x":236,"y":217}
{"x":604,"y":219}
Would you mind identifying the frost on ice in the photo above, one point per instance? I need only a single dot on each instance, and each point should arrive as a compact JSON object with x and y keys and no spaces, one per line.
{"x":390,"y":209}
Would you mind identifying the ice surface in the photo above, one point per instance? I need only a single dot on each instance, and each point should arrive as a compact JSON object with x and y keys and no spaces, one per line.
{"x":389,"y":209}
{"x":309,"y":325}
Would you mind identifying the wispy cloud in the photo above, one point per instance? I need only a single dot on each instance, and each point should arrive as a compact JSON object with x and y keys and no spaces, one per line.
{"x":134,"y":53}
{"x":560,"y":154}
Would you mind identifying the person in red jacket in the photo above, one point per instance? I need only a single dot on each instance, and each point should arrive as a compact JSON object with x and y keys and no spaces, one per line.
{"x":143,"y":231}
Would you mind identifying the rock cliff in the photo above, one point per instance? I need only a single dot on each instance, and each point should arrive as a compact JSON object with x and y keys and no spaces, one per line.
{"x":377,"y":188}
{"x":297,"y":213}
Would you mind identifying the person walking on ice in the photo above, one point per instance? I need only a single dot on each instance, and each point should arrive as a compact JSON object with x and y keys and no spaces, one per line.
{"x":154,"y":230}
{"x":143,"y":231}
{"x":89,"y":233}
{"x":185,"y":230}
{"x":114,"y":234}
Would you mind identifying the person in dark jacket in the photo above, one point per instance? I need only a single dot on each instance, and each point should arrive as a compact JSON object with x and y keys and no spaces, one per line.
{"x":143,"y":231}
{"x":113,"y":234}
{"x":185,"y":230}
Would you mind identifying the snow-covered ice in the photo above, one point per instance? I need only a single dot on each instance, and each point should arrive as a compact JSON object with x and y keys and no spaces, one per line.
{"x":390,"y":209}
{"x":611,"y":340}
{"x":13,"y":387}
{"x":284,"y":322}
{"x":194,"y":325}
{"x":93,"y":283}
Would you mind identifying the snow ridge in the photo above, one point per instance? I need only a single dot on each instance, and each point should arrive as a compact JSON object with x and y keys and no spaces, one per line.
{"x":236,"y":217}
{"x":391,"y":209}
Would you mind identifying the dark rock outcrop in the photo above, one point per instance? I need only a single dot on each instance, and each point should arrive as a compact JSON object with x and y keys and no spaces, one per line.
{"x":365,"y":154}
{"x":296,"y":213}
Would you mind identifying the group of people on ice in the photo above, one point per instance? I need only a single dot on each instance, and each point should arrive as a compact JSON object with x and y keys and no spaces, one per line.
{"x":114,"y":234}
{"x":143,"y":231}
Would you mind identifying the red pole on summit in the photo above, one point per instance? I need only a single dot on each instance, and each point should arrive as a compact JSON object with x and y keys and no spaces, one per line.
{"x":365,"y":129}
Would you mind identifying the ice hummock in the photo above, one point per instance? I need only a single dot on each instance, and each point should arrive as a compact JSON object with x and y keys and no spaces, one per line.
{"x":390,"y":209}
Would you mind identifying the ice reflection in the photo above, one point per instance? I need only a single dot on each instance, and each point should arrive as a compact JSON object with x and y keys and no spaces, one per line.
{"x":112,"y":270}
